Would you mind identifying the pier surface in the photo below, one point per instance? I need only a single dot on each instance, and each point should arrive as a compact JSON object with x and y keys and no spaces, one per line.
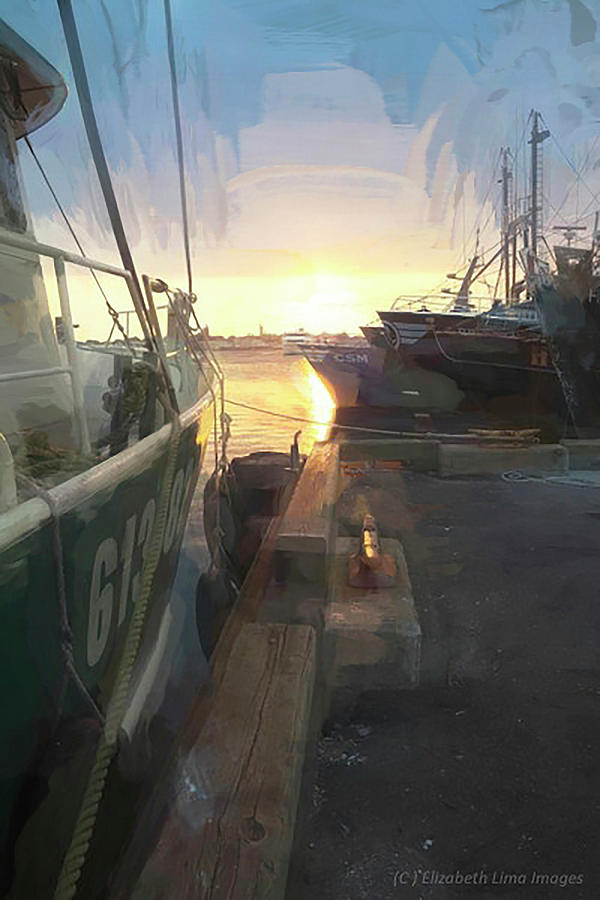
{"x":490,"y":764}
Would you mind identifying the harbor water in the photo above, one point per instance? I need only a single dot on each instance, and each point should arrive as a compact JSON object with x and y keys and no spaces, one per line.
{"x":265,"y":380}
{"x":285,"y":385}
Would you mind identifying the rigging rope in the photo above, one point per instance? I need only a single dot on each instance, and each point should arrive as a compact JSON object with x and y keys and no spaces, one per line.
{"x":194,"y":347}
{"x":515,"y":476}
{"x":179,"y":141}
{"x":74,"y":859}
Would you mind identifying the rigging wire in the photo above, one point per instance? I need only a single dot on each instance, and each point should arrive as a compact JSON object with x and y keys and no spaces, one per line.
{"x":461,"y":261}
{"x":515,"y":156}
{"x":585,"y":214}
{"x":112,"y":311}
{"x":179,"y":141}
{"x":492,"y":180}
{"x":91,"y":127}
{"x":578,"y":174}
{"x":560,"y":206}
{"x":589,"y":153}
{"x":12,"y":114}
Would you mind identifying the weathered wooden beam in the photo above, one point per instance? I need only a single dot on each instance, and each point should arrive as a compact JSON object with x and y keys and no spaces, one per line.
{"x":304,"y":540}
{"x":150,"y":822}
{"x":229,"y":834}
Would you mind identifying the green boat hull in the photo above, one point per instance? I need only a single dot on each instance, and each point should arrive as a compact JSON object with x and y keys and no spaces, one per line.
{"x":103,"y":520}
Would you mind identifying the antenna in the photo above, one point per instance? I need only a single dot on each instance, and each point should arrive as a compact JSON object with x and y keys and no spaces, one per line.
{"x":569,"y":231}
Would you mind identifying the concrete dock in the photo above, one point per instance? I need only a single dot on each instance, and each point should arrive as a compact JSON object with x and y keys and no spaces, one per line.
{"x":486,"y":768}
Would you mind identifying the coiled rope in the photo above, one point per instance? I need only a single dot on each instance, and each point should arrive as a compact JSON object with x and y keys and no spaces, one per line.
{"x":515,"y":476}
{"x":74,"y":860}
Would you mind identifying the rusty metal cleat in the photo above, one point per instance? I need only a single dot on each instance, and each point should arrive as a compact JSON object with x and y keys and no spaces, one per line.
{"x":370,"y":568}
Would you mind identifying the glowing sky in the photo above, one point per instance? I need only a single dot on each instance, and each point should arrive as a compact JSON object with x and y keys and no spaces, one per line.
{"x":338,"y":153}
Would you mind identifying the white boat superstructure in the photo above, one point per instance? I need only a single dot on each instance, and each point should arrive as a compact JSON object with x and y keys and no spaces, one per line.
{"x":294,"y":342}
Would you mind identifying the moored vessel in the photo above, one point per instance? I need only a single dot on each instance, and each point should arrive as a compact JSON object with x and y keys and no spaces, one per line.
{"x":101,"y":444}
{"x":293,"y":342}
{"x":567,"y":295}
{"x":491,"y":350}
{"x":455,"y":353}
{"x":372,"y":375}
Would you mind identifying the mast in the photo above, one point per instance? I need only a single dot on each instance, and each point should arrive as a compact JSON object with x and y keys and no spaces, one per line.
{"x":537,"y":137}
{"x":506,"y":184}
{"x":462,"y":298}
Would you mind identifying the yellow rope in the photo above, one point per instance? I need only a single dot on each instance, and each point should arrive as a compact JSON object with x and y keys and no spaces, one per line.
{"x":74,"y":860}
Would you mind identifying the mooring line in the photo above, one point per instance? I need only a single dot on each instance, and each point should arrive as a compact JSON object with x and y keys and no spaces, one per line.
{"x":420,"y":435}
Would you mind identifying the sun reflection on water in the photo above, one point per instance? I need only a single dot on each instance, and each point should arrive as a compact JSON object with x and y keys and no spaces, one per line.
{"x":322,"y":406}
{"x":283,"y":395}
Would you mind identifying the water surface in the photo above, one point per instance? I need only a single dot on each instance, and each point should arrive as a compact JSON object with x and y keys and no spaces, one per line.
{"x":285,"y":385}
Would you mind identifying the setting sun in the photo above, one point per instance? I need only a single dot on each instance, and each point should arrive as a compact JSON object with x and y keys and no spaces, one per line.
{"x":328,"y":305}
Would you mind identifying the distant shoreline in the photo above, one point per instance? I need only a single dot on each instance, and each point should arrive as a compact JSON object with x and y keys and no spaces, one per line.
{"x":251,"y":342}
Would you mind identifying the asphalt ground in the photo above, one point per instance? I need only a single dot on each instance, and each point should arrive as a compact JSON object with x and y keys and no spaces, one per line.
{"x":484,"y":781}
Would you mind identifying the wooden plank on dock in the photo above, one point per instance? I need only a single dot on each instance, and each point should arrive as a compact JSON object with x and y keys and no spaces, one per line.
{"x":306,"y":528}
{"x":230,"y":832}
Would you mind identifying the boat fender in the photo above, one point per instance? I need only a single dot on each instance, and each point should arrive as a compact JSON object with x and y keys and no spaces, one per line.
{"x":229,"y":527}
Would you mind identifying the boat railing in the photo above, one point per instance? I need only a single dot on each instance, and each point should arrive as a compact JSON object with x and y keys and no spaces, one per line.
{"x":444,"y":303}
{"x":60,"y":258}
{"x":126,"y":313}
